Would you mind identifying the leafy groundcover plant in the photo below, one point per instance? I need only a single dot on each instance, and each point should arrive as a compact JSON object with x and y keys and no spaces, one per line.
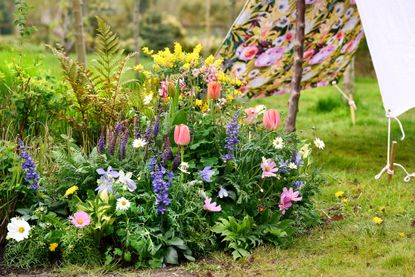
{"x":186,"y":170}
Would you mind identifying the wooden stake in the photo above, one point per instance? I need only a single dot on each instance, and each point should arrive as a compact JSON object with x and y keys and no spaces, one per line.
{"x":392,"y":159}
{"x":353,"y":114}
{"x":79,"y":31}
{"x":298,"y":67}
{"x":349,"y":78}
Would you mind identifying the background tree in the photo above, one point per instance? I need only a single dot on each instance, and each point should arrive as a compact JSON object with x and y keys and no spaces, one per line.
{"x":79,"y":31}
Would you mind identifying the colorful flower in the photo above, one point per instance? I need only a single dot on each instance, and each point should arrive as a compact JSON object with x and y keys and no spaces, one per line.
{"x":125,"y":178}
{"x":18,"y":229}
{"x":223,"y":192}
{"x":147,"y":99}
{"x":248,"y":53}
{"x":271,"y":119}
{"x":29,"y":167}
{"x":139,"y":143}
{"x":106,"y":180}
{"x":268,"y":168}
{"x":80,"y":219}
{"x":269,"y":57}
{"x":183,"y":167}
{"x":278,"y":143}
{"x":339,"y":194}
{"x":232,"y":132}
{"x":214,"y":90}
{"x":211,"y":207}
{"x":377,"y":220}
{"x":53,"y":246}
{"x":71,"y":190}
{"x":123,"y":204}
{"x":181,"y":135}
{"x":287,"y":197}
{"x":319,"y":143}
{"x":206,"y":174}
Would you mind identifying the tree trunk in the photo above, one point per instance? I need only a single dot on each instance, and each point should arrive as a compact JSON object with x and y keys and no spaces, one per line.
{"x":136,"y":30}
{"x":79,"y":31}
{"x":349,"y":79}
{"x":298,"y":67}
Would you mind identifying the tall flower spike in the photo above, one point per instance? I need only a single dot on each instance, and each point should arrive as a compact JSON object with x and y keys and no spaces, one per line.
{"x":123,"y":146}
{"x":137,"y":126}
{"x":101,"y":142}
{"x":232,"y":140}
{"x":29,"y":167}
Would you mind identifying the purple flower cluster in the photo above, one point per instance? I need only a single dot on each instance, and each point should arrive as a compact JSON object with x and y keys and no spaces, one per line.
{"x":161,"y":179}
{"x":101,"y":142}
{"x":232,"y":136}
{"x":29,"y":167}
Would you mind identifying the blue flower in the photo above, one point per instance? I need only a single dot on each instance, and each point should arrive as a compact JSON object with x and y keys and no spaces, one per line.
{"x":297,"y":159}
{"x":232,"y":140}
{"x":206,"y":174}
{"x":161,"y":179}
{"x":298,"y":184}
{"x":107,"y":179}
{"x":29,"y":167}
{"x":223,"y":192}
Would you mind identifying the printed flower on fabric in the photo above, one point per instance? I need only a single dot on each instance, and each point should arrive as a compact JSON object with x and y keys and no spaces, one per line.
{"x":80,"y":219}
{"x":18,"y":229}
{"x":248,"y":53}
{"x":269,"y":57}
{"x":268,"y":168}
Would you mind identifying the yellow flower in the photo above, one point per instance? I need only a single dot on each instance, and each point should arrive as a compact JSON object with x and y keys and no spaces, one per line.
{"x":377,"y":220}
{"x":402,"y":234}
{"x":204,"y":108}
{"x":198,"y":103}
{"x":345,"y":200}
{"x":210,"y":60}
{"x":71,"y":190}
{"x":53,"y":246}
{"x":339,"y":194}
{"x":139,"y":67}
{"x":229,"y":97}
{"x":147,"y":51}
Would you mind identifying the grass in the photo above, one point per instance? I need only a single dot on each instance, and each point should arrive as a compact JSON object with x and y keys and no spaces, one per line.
{"x":347,"y":242}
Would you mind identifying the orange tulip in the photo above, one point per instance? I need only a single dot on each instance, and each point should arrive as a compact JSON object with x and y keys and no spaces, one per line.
{"x":181,"y":135}
{"x":271,"y":119}
{"x":214,"y":90}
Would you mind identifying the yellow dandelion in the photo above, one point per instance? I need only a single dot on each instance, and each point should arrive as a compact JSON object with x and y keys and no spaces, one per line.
{"x":345,"y":200}
{"x":377,"y":220}
{"x":402,"y":234}
{"x":71,"y":190}
{"x":139,"y":67}
{"x":53,"y":246}
{"x":339,"y":194}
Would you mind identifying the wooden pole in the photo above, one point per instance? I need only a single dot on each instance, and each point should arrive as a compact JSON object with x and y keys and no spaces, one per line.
{"x":79,"y":31}
{"x":136,"y":30}
{"x":349,"y":79}
{"x":392,"y":159}
{"x":298,"y":67}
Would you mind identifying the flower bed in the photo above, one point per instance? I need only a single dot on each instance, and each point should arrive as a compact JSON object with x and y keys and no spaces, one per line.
{"x":187,"y":170}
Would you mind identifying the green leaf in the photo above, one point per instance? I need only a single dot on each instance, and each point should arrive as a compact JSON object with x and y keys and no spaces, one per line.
{"x":178,"y":242}
{"x":171,"y":256}
{"x":179,"y":118}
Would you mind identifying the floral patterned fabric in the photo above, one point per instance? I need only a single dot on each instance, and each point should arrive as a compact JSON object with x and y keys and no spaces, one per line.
{"x":259,"y":48}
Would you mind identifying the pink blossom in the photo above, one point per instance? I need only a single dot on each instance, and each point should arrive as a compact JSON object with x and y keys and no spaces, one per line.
{"x":287,"y":197}
{"x":80,"y":219}
{"x":248,"y":53}
{"x":250,"y":115}
{"x":269,"y":57}
{"x":211,"y":207}
{"x":268,"y":168}
{"x":309,"y":2}
{"x":164,"y":85}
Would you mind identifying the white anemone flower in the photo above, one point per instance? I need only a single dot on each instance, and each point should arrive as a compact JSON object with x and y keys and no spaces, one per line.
{"x":123,"y":204}
{"x":139,"y":143}
{"x":18,"y":229}
{"x":292,"y":165}
{"x":278,"y":143}
{"x":183,"y":167}
{"x":319,"y":143}
{"x":223,"y":193}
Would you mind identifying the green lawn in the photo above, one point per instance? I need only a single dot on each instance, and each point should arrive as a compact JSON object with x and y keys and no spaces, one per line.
{"x":348,"y":242}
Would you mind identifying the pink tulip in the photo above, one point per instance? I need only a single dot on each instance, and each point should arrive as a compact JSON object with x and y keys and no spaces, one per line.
{"x":271,"y":119}
{"x":181,"y":135}
{"x":214,"y":90}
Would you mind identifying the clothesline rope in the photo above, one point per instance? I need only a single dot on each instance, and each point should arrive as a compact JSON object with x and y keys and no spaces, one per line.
{"x":347,"y":97}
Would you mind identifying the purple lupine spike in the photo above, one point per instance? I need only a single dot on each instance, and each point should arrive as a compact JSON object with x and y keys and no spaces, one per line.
{"x":137,"y":126}
{"x":114,"y":137}
{"x":28,"y":166}
{"x":167,"y":153}
{"x":101,"y":142}
{"x":156,"y":127}
{"x":161,"y":180}
{"x":149,"y":132}
{"x":232,"y":140}
{"x":123,"y":145}
{"x":176,"y":161}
